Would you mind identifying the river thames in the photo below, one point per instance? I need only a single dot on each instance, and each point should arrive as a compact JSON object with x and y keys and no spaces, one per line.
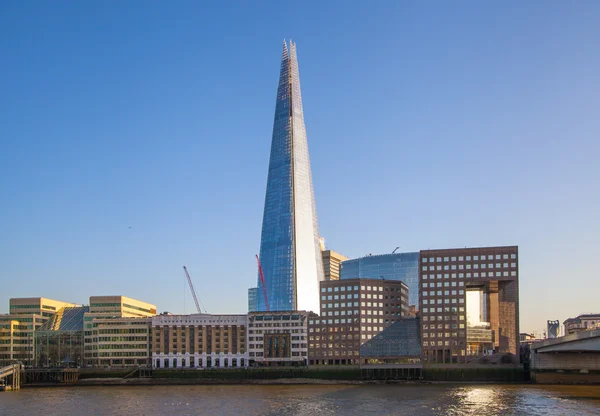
{"x":486,"y":399}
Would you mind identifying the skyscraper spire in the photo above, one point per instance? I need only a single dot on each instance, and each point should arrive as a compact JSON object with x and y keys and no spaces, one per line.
{"x":290,"y":253}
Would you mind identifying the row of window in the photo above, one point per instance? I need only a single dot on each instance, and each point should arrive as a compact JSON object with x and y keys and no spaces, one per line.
{"x":475,"y":266}
{"x":469,"y":258}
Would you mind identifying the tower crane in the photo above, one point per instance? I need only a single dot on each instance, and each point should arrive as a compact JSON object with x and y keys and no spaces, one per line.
{"x":189,"y":279}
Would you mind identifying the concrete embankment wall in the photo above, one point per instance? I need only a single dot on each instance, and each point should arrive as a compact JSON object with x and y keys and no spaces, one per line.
{"x":252,"y":376}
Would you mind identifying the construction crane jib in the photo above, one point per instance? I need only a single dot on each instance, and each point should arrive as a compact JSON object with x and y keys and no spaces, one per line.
{"x":189,"y":279}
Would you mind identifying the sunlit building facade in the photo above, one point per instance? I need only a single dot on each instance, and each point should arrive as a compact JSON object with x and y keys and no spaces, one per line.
{"x":469,"y":303}
{"x":290,"y":251}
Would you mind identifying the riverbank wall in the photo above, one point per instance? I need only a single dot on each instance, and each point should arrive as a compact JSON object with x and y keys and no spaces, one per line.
{"x":89,"y":377}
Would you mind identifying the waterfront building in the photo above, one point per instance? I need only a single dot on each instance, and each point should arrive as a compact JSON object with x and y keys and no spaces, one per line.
{"x":199,"y":340}
{"x":394,"y":266}
{"x":119,"y":342}
{"x":582,"y":323}
{"x":352,"y":312}
{"x":117,"y":332}
{"x":278,"y":338}
{"x":469,"y":303}
{"x":290,"y":249}
{"x":17,"y":329}
{"x":59,"y":342}
{"x":332,"y":262}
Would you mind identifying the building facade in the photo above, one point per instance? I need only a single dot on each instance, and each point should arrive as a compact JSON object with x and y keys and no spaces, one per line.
{"x":395,"y":266}
{"x":117,"y":332}
{"x":582,"y":323}
{"x":332,"y":263}
{"x":253,"y":299}
{"x":17,"y":337}
{"x":199,"y":341}
{"x":469,"y":303}
{"x":278,"y":338}
{"x":290,"y":252}
{"x":352,"y":312}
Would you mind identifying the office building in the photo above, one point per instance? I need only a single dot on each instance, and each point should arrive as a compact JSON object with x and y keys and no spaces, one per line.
{"x":395,"y":266}
{"x":59,"y":342}
{"x":582,"y":323}
{"x":17,"y":329}
{"x":332,"y":262}
{"x":278,"y":338}
{"x":117,"y":332}
{"x":469,"y":303}
{"x":352,"y":312}
{"x":290,"y":250}
{"x":119,"y":342}
{"x":253,"y":299}
{"x":199,"y":341}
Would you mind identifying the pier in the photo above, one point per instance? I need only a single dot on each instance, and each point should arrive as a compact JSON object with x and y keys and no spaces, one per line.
{"x":10,"y":377}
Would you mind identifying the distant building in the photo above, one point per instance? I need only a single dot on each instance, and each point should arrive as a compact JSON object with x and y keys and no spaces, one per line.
{"x":253,"y":299}
{"x":17,"y":329}
{"x":396,"y":266}
{"x":117,"y":332}
{"x":352,"y":312}
{"x":199,"y":341}
{"x":581,"y":323}
{"x":469,"y":303}
{"x":553,"y":328}
{"x":332,"y":263}
{"x":278,"y":339}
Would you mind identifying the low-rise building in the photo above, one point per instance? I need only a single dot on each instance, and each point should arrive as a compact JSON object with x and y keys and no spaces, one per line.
{"x":582,"y":323}
{"x":199,"y":340}
{"x":278,"y":338}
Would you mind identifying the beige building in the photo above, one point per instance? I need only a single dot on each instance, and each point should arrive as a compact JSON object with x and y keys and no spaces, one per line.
{"x":331,"y":264}
{"x":117,"y":332}
{"x":199,"y":340}
{"x":17,"y":329}
{"x":118,"y":342}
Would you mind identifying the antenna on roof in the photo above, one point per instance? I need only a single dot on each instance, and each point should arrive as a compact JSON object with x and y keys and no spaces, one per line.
{"x":395,"y":249}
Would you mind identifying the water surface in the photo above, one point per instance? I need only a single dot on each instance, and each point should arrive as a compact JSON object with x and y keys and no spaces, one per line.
{"x":486,"y":400}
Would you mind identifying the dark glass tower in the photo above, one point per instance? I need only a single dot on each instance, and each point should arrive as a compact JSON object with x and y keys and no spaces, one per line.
{"x":290,"y":252}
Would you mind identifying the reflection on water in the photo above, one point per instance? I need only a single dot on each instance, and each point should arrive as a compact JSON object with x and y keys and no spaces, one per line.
{"x":487,"y":400}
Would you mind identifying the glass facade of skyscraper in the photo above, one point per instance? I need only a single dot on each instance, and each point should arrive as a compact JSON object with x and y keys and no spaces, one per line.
{"x":396,"y":266}
{"x":289,"y":251}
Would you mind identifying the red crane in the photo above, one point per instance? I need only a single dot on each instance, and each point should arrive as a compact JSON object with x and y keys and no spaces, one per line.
{"x":193,"y":291}
{"x":262,"y":280}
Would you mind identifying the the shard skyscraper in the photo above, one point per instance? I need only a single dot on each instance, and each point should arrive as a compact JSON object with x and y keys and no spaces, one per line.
{"x":290,"y":253}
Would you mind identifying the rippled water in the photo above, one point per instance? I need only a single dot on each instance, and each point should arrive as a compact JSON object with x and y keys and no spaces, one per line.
{"x":487,"y":400}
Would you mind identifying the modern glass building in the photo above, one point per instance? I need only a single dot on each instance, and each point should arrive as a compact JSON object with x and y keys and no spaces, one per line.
{"x":290,"y":253}
{"x":396,"y":266}
{"x":252,"y":299}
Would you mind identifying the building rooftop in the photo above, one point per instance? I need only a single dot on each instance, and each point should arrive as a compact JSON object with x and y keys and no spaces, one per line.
{"x":66,"y":319}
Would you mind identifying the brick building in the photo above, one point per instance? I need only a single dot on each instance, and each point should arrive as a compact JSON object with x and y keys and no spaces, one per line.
{"x":352,"y":312}
{"x":469,"y":303}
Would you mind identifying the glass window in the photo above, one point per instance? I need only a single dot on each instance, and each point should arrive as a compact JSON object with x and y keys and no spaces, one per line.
{"x":475,"y":257}
{"x":513,"y":256}
{"x":445,"y":258}
{"x":453,"y":258}
{"x":431,"y":259}
{"x":336,"y":289}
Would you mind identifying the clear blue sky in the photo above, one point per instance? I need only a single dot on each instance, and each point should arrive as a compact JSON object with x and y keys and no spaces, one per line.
{"x":430,"y":125}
